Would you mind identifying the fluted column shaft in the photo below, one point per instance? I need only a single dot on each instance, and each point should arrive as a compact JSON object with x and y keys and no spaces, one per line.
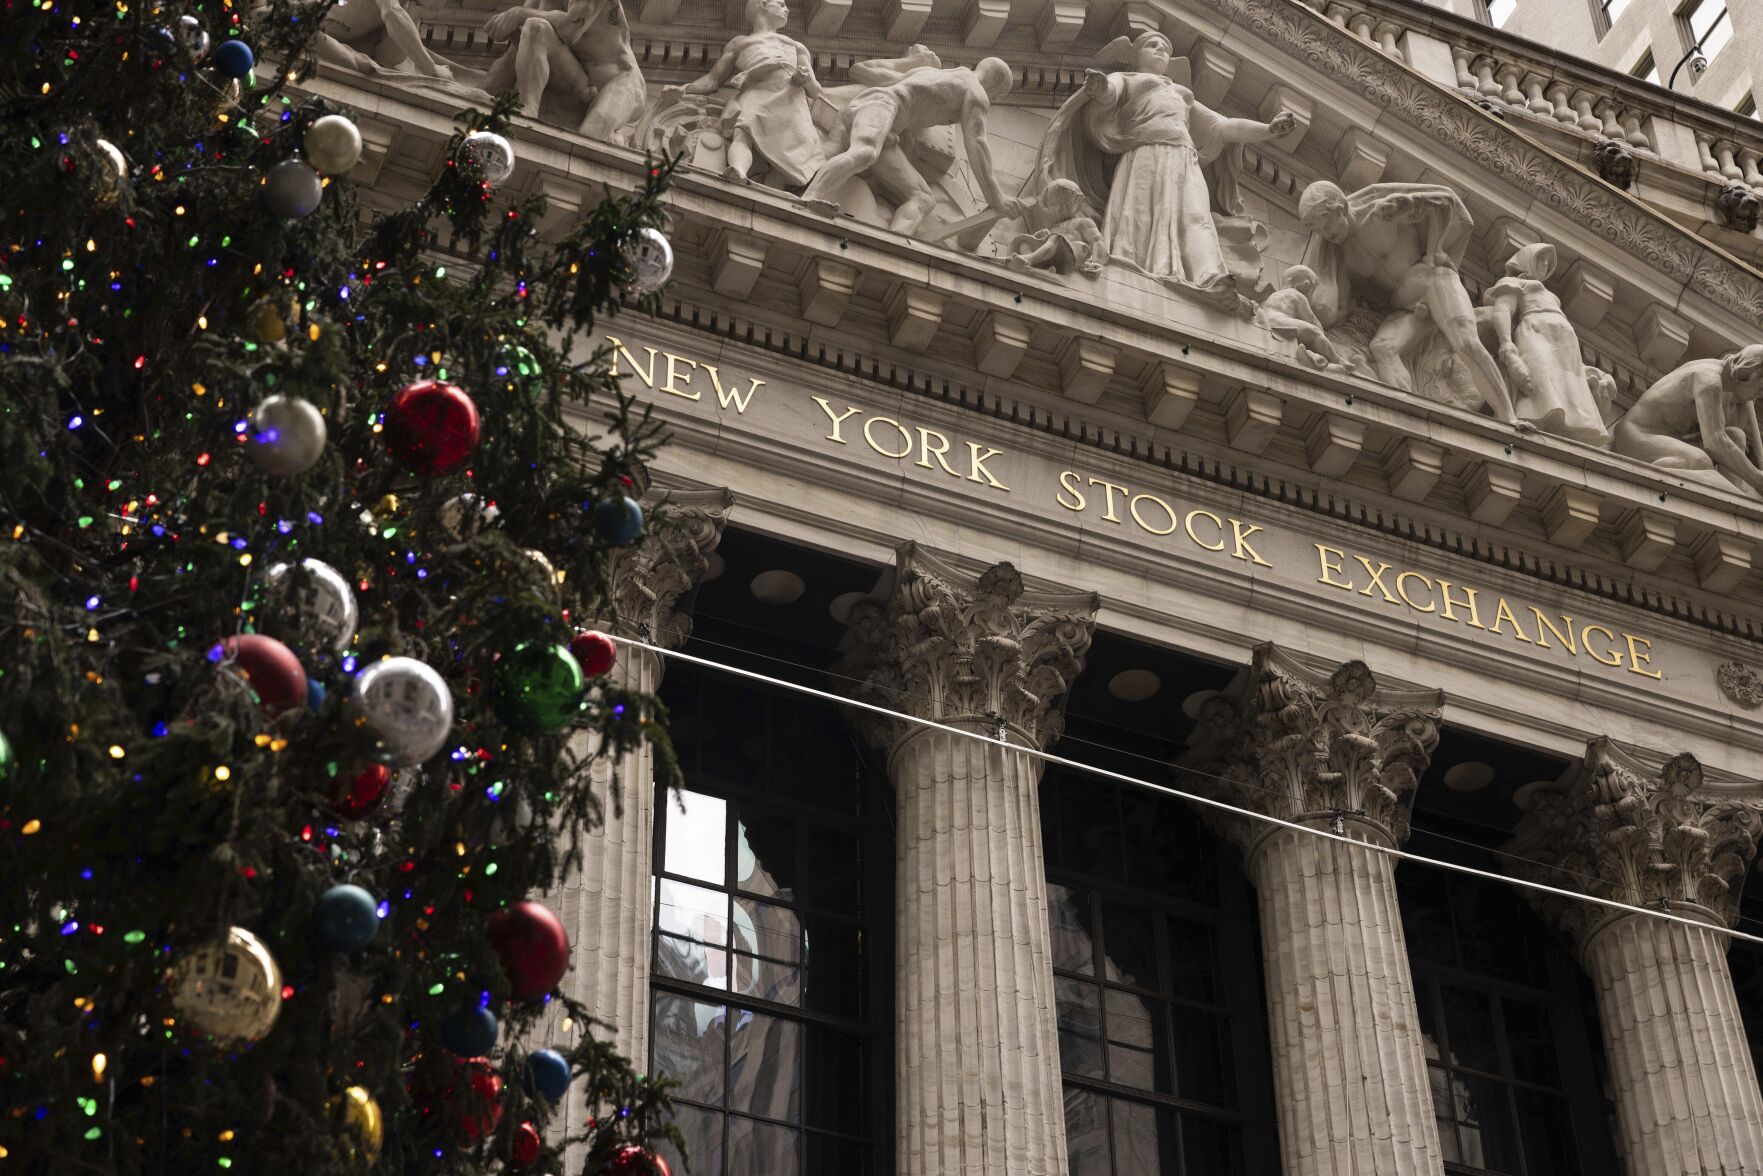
{"x":1349,"y":1068}
{"x":977,"y":1048}
{"x":1687,"y":1101}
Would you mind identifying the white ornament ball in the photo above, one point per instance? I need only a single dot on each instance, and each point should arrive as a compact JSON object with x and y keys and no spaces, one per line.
{"x":232,"y":990}
{"x":287,"y":435}
{"x":116,"y":169}
{"x":649,"y":259}
{"x":333,"y":145}
{"x":493,"y":155}
{"x":407,"y":706}
{"x":318,"y":609}
{"x":544,"y":562}
{"x":464,"y":515}
{"x":292,"y":189}
{"x":193,"y":35}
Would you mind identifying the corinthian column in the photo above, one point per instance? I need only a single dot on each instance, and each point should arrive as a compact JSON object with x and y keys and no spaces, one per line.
{"x":1687,"y":1101}
{"x":977,"y":1077}
{"x":606,"y":904}
{"x":1330,"y":749}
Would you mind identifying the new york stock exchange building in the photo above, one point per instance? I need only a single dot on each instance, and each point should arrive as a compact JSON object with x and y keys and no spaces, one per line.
{"x":1209,"y":548}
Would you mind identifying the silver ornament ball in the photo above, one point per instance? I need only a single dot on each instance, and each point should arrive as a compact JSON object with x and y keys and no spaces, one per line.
{"x":317,"y":607}
{"x":193,"y":35}
{"x":649,"y":260}
{"x":332,"y":145}
{"x":116,"y":166}
{"x":292,"y":189}
{"x":287,"y":435}
{"x":491,"y":154}
{"x":406,"y":705}
{"x":231,"y":991}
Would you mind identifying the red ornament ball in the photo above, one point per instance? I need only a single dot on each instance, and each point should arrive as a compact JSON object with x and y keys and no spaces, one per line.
{"x":431,"y":427}
{"x":359,"y":794}
{"x":533,"y":948}
{"x":632,"y":1160}
{"x":526,"y":1145}
{"x":595,"y":651}
{"x":275,"y":674}
{"x":479,"y":1103}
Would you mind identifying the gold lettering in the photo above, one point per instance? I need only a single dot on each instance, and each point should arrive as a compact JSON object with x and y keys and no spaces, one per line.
{"x":1069,"y":484}
{"x":1402,"y":591}
{"x":1468,"y":602}
{"x":1504,"y":614}
{"x":618,"y":349}
{"x":1133,"y":507}
{"x":1188,"y":525}
{"x":977,"y":471}
{"x":733,"y":394}
{"x":673,"y":373}
{"x":1585,"y":639}
{"x":838,"y":421}
{"x":1545,"y":626}
{"x":905,"y":437}
{"x":1636,"y":658}
{"x":1331,"y":570}
{"x":1376,"y":579}
{"x":926,"y":450}
{"x":1243,"y":531}
{"x":1109,"y":498}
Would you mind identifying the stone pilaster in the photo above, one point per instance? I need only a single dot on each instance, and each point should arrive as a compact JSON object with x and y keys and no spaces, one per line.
{"x":1332,"y":749}
{"x":606,"y":903}
{"x":977,"y":1075}
{"x":1687,"y":1101}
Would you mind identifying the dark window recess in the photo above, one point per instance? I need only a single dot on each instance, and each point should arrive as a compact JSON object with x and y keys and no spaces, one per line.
{"x":763,"y":1005}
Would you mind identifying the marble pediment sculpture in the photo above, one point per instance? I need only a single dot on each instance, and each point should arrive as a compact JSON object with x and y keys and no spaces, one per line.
{"x":578,"y":51}
{"x":1701,"y":421}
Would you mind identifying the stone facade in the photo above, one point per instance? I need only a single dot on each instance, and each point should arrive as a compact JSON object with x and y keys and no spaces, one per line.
{"x":1363,"y":349}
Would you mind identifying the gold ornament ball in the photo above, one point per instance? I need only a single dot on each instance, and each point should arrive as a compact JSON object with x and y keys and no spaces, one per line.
{"x":386,"y":506}
{"x":360,"y":1114}
{"x":230,"y":990}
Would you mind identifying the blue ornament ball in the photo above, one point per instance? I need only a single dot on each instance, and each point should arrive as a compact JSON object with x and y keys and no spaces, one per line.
{"x":547,"y":1074}
{"x":314,"y":695}
{"x":347,"y":918}
{"x":470,"y":1031}
{"x":619,"y":520}
{"x":234,"y":59}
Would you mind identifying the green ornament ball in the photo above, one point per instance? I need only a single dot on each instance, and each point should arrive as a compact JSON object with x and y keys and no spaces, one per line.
{"x":538,"y":687}
{"x":5,"y":756}
{"x":519,"y":370}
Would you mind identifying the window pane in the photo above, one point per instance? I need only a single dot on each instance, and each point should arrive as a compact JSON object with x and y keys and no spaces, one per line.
{"x":1129,"y":946}
{"x":1086,"y":1132}
{"x":703,"y":1132}
{"x":1546,"y":1126}
{"x":1144,"y":1139}
{"x":1484,"y":1123}
{"x":766,"y":979}
{"x":1613,"y":8}
{"x":835,"y":968}
{"x":1717,"y":36}
{"x":1499,"y":11}
{"x":688,"y":960}
{"x":687,"y":1046}
{"x":835,"y":867}
{"x":1469,"y":1028}
{"x":764,"y":1068}
{"x":762,"y":1147}
{"x":1530,"y":1039}
{"x":1193,"y":967}
{"x":766,"y":929}
{"x":1068,"y":912}
{"x":1080,"y":1027}
{"x":697,"y":838}
{"x":1211,"y":1149}
{"x":1138,"y":1038}
{"x":1202,"y":1058}
{"x":1429,"y":1029}
{"x":835,"y":1090}
{"x":1703,"y":16}
{"x":1444,"y":1113}
{"x":765,"y":853}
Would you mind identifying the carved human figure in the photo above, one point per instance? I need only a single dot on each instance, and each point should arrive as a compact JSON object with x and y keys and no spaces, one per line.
{"x":377,"y":37}
{"x":904,"y":97}
{"x":1711,"y":400}
{"x":583,"y":47}
{"x":1071,"y":239}
{"x":1288,"y":314}
{"x":1136,"y":143}
{"x":1540,"y":350}
{"x":770,"y":114}
{"x":1406,"y":240}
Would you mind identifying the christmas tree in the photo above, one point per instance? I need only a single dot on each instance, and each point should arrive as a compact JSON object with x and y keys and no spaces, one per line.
{"x":298,"y":524}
